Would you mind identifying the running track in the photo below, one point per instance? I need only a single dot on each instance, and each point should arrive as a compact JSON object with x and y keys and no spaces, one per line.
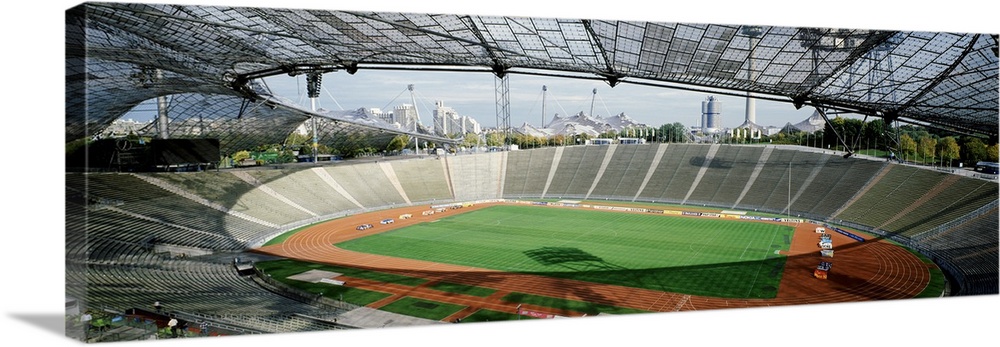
{"x":862,"y":271}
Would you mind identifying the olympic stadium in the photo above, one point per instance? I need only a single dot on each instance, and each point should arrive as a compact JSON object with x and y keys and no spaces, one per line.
{"x":430,"y":238}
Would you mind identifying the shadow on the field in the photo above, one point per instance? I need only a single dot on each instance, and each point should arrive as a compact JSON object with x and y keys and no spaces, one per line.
{"x":573,"y":259}
{"x":577,"y":264}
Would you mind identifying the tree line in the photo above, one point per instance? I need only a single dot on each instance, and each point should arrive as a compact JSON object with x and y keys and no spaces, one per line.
{"x":909,"y":143}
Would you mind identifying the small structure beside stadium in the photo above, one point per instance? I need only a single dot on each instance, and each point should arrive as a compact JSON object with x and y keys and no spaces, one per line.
{"x":823,"y":270}
{"x":825,"y":242}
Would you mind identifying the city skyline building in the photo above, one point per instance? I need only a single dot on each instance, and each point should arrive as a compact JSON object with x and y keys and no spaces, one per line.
{"x":406,"y":115}
{"x":447,"y":121}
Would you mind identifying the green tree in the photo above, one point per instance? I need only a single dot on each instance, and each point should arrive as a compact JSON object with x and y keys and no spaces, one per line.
{"x":470,"y":140}
{"x":973,"y":150}
{"x":907,"y":145}
{"x":992,"y":153}
{"x":610,"y":134}
{"x":495,"y":139}
{"x":781,"y":137}
{"x":948,"y":149}
{"x":914,"y":131}
{"x":848,"y":129}
{"x":925,"y":147}
{"x":240,"y":156}
{"x":521,"y":140}
{"x":675,"y":132}
{"x":286,"y":156}
{"x":834,"y":125}
{"x":874,"y":133}
{"x":530,"y":141}
{"x":78,"y":144}
{"x":557,"y":140}
{"x":398,"y":143}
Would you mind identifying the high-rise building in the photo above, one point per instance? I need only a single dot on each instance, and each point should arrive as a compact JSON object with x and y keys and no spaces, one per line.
{"x":448,"y":122}
{"x":444,"y":119}
{"x":406,"y":115}
{"x":470,"y":125}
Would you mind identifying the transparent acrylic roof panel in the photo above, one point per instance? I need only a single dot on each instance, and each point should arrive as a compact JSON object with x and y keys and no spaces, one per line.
{"x":947,"y":79}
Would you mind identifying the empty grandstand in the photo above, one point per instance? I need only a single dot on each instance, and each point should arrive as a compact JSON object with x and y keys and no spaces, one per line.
{"x":174,"y":240}
{"x":912,"y":205}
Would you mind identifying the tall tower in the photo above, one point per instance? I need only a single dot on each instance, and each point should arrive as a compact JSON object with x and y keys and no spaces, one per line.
{"x":711,"y":115}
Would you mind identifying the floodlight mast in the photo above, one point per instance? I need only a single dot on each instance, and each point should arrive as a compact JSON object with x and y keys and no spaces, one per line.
{"x":314,"y":79}
{"x":592,"y":98}
{"x":163,"y":119}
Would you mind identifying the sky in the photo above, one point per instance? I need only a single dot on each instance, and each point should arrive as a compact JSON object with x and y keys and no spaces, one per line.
{"x":32,"y":303}
{"x":472,"y":94}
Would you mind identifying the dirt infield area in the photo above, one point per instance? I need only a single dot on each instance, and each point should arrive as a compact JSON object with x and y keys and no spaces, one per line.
{"x":870,"y":270}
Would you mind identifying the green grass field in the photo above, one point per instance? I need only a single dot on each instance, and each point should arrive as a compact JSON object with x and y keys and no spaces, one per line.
{"x":281,"y":269}
{"x":485,"y":315}
{"x":422,"y":308}
{"x":698,"y":256}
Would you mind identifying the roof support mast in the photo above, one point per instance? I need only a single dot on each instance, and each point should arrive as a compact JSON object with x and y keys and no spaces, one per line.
{"x":162,"y":119}
{"x":544,"y":91}
{"x":754,"y":32}
{"x":502,"y":95}
{"x":593,"y":97}
{"x":847,"y":148}
{"x":416,"y":122}
{"x":501,"y":85}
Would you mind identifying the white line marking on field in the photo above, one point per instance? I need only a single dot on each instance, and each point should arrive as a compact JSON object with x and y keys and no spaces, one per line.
{"x":752,"y":283}
{"x":745,"y":249}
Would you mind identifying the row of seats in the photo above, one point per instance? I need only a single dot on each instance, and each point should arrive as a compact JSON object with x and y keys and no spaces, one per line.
{"x":527,"y":171}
